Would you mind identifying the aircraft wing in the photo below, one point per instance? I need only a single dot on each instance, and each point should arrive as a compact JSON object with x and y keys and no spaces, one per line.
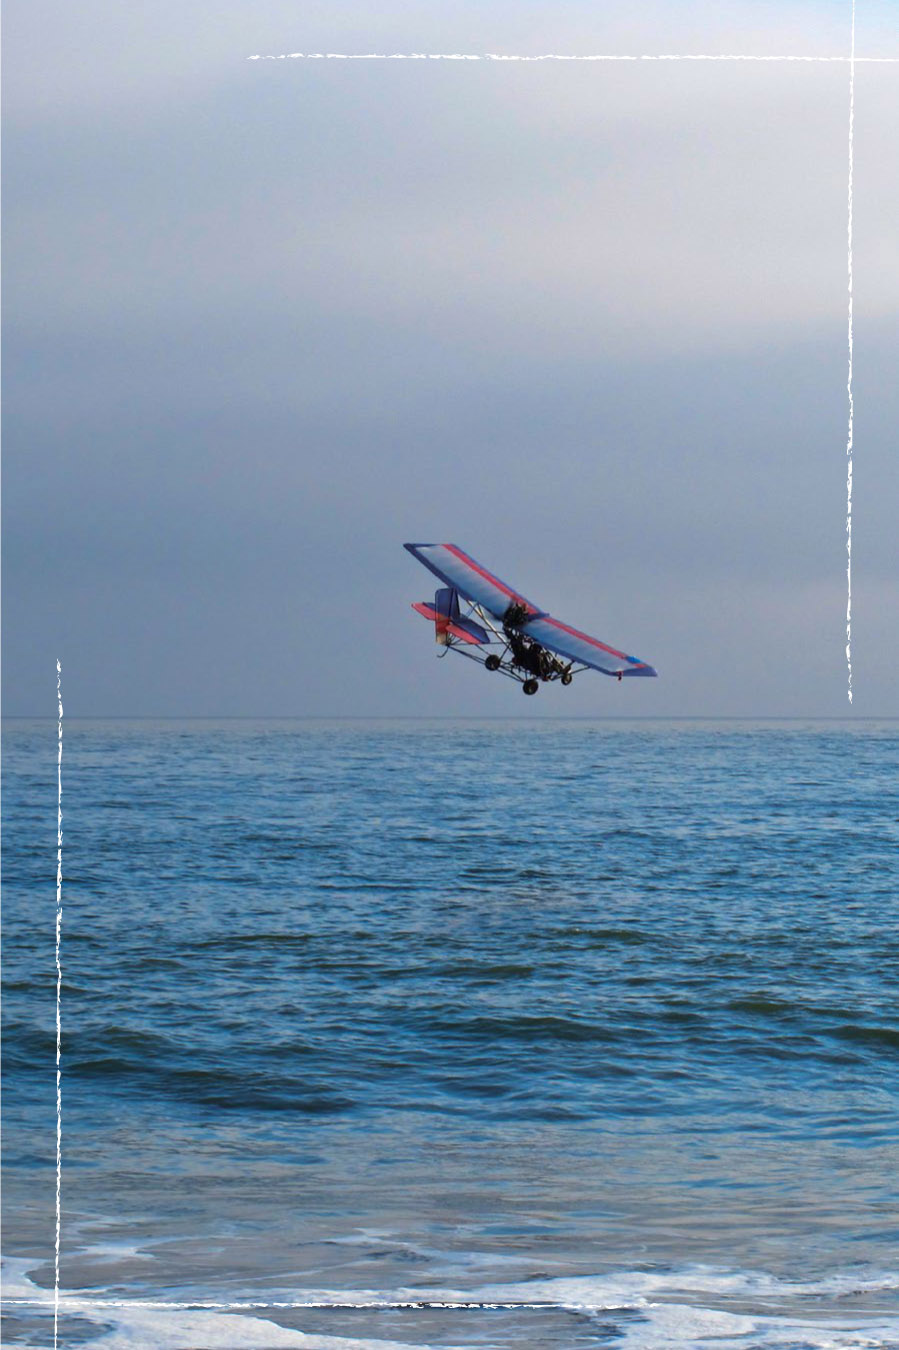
{"x":585,"y":650}
{"x":469,"y":578}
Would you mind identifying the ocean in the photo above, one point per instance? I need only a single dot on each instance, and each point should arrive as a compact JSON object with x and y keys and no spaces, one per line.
{"x":454,"y":1034}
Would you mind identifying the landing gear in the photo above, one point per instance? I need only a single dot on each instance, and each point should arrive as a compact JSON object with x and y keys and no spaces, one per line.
{"x":530,"y":686}
{"x":492,"y":661}
{"x":567,"y":677}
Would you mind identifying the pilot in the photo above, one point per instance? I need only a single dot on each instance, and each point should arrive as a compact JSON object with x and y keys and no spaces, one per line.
{"x":534,"y":659}
{"x":515,"y":615}
{"x":519,"y":646}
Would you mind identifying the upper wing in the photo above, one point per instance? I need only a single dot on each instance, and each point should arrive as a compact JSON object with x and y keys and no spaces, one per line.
{"x":588,"y":651}
{"x":469,"y":578}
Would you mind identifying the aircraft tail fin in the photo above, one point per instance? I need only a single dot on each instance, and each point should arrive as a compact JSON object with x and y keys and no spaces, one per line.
{"x":448,"y":620}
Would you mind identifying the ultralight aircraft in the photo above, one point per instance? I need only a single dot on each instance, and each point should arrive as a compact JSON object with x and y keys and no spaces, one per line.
{"x":534,"y":648}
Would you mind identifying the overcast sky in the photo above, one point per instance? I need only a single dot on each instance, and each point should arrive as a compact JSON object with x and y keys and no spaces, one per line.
{"x":264,"y":321}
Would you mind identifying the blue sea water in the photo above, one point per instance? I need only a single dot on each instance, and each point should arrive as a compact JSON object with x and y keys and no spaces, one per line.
{"x":594,"y":1023}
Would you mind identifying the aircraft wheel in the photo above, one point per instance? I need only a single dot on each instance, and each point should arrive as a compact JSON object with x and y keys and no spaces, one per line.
{"x":492,"y":661}
{"x":567,"y":677}
{"x":530,"y":686}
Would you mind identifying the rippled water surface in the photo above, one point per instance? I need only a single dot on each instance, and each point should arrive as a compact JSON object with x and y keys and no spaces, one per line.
{"x":596,"y":1017}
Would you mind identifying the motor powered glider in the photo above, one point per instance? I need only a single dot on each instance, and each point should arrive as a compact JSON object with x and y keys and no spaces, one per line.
{"x":529,"y":645}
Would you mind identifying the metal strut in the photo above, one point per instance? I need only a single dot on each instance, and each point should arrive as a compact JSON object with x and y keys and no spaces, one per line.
{"x":503,"y":634}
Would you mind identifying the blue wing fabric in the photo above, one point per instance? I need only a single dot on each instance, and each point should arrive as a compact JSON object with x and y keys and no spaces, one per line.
{"x":454,"y":566}
{"x":587,"y":651}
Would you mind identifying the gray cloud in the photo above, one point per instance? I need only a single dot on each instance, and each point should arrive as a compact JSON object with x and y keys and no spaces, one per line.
{"x":264,"y":323}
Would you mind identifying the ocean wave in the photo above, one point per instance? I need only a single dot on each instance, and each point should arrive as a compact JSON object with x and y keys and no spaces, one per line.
{"x":634,"y":1310}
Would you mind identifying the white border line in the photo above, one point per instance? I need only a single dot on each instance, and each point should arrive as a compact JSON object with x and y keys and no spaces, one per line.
{"x":74,"y":1303}
{"x":553,"y":56}
{"x":849,"y":376}
{"x":851,"y":60}
{"x":58,"y":1001}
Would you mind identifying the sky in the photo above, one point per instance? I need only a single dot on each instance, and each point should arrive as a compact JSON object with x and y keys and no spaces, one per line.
{"x":265,"y":321}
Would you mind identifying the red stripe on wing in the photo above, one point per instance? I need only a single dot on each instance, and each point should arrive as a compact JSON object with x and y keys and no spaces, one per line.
{"x":488,"y":576}
{"x":585,"y":637}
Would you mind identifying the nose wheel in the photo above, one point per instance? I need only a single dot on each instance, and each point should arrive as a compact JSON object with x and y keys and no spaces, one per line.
{"x":530,"y":687}
{"x":492,"y":661}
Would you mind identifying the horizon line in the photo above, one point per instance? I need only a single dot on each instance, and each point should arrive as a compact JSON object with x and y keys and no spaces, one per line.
{"x":457,"y":717}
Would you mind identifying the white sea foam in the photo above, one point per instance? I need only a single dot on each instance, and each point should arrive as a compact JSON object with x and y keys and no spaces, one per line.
{"x":666,"y":1322}
{"x":662,"y":1312}
{"x":135,"y":1328}
{"x":113,"y":1251}
{"x":136,"y":1325}
{"x":682,"y":1327}
{"x":16,"y":1284}
{"x":618,"y":1290}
